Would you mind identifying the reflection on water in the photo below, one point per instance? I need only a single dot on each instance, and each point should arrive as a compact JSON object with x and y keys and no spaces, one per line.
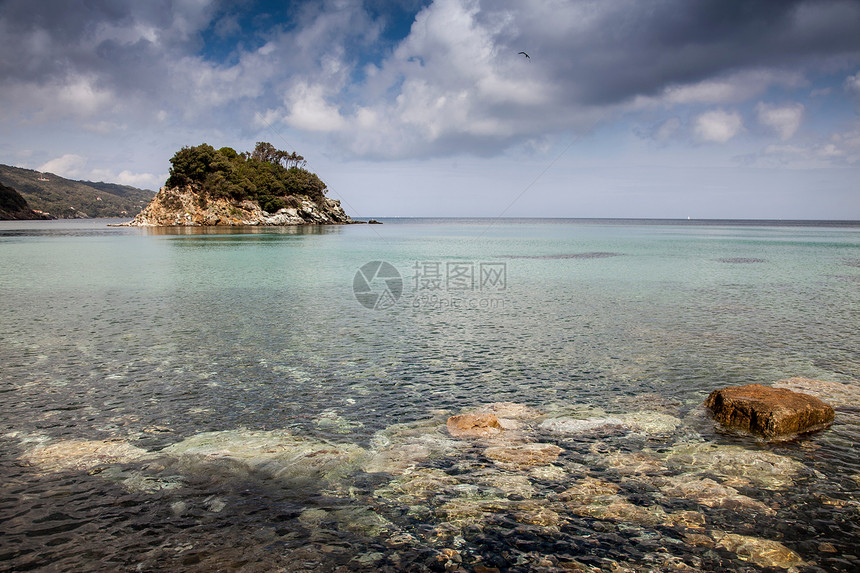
{"x":219,"y":399}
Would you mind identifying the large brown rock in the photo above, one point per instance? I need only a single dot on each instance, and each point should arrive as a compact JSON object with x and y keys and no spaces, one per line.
{"x":474,"y":425}
{"x":770,"y":412}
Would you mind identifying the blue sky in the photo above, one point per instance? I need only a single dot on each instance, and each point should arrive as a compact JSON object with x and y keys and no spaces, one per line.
{"x":669,"y":108}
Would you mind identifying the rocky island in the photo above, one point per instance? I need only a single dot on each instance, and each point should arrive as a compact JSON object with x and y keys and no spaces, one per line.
{"x":221,"y":187}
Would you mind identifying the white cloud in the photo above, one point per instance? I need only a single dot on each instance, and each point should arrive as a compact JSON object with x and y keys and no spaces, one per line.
{"x":309,"y":110}
{"x":718,"y":126}
{"x":126,"y":177}
{"x":69,"y":165}
{"x":839,"y":149}
{"x":784,"y":120}
{"x":852,"y":83}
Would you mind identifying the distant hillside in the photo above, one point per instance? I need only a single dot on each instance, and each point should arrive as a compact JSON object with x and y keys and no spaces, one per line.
{"x":68,"y":199}
{"x":14,"y":207}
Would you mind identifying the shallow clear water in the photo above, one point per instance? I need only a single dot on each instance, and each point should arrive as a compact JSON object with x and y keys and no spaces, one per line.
{"x":142,"y":339}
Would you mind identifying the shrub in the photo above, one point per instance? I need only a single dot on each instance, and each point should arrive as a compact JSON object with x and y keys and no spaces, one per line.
{"x":269,"y":176}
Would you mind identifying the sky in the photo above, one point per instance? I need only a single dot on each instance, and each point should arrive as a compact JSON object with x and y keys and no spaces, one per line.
{"x":623,"y":108}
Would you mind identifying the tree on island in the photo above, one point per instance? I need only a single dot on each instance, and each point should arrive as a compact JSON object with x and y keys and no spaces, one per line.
{"x":271,"y":177}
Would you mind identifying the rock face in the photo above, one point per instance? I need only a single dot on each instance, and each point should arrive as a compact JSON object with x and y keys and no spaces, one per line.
{"x":185,"y":207}
{"x":770,"y":412}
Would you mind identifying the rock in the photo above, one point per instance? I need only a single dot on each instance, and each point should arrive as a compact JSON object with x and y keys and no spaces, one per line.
{"x":647,"y":422}
{"x":698,"y":540}
{"x":331,"y":420}
{"x":511,"y":415}
{"x":630,"y":463}
{"x":402,"y":447}
{"x":763,"y":469}
{"x":710,"y":493}
{"x":474,"y":425}
{"x":275,"y":453}
{"x":190,"y":207}
{"x":510,"y":484}
{"x":542,"y":516}
{"x":416,"y":485}
{"x":524,"y":455}
{"x":567,"y":425}
{"x":313,"y":517}
{"x":640,"y":422}
{"x":468,"y":510}
{"x":83,"y":455}
{"x":616,"y":508}
{"x":587,"y":489}
{"x":761,"y":552}
{"x":770,"y":412}
{"x":548,"y":473}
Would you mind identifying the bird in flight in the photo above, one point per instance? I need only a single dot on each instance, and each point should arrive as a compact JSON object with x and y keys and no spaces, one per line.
{"x":525,"y":54}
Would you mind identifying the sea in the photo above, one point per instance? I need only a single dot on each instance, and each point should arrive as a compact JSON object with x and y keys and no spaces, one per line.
{"x":276,"y":399}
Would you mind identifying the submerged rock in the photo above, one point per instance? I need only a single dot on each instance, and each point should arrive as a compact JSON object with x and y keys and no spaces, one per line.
{"x":757,"y":467}
{"x":402,"y":447}
{"x":761,"y":552}
{"x":416,"y":485}
{"x":710,"y":493}
{"x":645,"y":422}
{"x":630,"y":463}
{"x":524,"y":455}
{"x":510,"y":484}
{"x":648,"y":422}
{"x":276,"y":453}
{"x":83,"y":455}
{"x":331,"y":420}
{"x":770,"y":412}
{"x":474,"y":425}
{"x":565,"y":425}
{"x":511,"y":415}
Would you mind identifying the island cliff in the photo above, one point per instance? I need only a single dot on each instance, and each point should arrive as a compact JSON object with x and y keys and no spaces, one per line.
{"x":209,"y":187}
{"x":189,"y":207}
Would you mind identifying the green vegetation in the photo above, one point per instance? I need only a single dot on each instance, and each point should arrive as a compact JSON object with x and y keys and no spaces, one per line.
{"x":271,"y":177}
{"x":66,"y":198}
{"x":14,"y":206}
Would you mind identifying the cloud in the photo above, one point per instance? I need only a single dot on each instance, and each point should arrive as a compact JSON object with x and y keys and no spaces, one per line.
{"x":309,"y":110}
{"x":69,"y":166}
{"x":718,"y":126}
{"x":444,"y":79}
{"x":126,"y":177}
{"x":837,"y":149}
{"x":784,"y":120}
{"x":852,"y":83}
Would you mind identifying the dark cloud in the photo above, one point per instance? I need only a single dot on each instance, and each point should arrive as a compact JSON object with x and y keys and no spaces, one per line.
{"x":612,"y":51}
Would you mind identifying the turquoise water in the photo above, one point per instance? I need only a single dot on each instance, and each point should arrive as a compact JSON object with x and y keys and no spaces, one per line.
{"x":146,"y":338}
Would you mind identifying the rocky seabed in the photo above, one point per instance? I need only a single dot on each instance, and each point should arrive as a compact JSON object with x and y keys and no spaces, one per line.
{"x":500,"y":487}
